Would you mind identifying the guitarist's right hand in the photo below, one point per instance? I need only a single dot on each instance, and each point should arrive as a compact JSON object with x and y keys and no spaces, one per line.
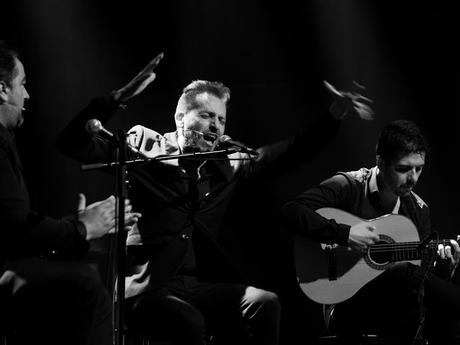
{"x":361,"y":236}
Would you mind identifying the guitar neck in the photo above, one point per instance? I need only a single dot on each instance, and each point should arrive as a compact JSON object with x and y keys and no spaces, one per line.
{"x":404,"y":251}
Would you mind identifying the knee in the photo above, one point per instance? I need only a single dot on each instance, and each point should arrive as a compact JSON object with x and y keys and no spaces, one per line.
{"x":270,"y":301}
{"x":191,"y":324}
{"x":84,"y":281}
{"x":87,"y":278}
{"x":164,"y":317}
{"x":266,"y":302}
{"x":191,"y":320}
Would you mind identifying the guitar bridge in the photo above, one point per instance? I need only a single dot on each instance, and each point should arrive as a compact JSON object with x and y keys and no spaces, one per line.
{"x":332,"y":261}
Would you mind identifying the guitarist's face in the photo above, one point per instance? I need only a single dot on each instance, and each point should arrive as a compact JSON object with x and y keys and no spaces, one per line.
{"x":401,"y":175}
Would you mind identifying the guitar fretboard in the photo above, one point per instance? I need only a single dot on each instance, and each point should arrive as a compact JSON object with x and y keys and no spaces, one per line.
{"x":403,"y":251}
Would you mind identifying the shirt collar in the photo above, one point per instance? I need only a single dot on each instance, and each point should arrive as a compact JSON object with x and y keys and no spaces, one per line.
{"x":374,"y":188}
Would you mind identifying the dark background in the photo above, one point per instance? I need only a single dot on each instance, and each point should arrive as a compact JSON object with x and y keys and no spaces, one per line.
{"x":273,"y":55}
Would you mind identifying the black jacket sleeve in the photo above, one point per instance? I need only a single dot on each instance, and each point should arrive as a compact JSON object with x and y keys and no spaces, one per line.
{"x":299,"y":216}
{"x":82,"y":146}
{"x":285,"y":155}
{"x":23,"y":231}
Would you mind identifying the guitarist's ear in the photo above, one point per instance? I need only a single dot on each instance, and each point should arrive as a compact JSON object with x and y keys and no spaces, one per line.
{"x":3,"y":92}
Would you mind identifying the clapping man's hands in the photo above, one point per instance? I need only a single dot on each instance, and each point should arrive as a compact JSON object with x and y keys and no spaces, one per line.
{"x":99,"y":217}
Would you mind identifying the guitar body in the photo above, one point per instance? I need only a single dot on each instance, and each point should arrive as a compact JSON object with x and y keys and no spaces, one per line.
{"x":332,"y":274}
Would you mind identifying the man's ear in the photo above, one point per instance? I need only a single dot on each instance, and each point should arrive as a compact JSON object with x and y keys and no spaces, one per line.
{"x":3,"y":92}
{"x":179,"y":118}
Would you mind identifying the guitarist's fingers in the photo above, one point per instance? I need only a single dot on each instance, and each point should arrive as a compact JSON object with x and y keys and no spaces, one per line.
{"x":456,"y":251}
{"x":455,"y":245}
{"x":373,"y":237}
{"x":441,"y":251}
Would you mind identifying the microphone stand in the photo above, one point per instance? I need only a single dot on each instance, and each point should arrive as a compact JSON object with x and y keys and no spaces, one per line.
{"x":208,"y":155}
{"x":120,"y":238}
{"x":118,"y":244}
{"x":430,"y":254}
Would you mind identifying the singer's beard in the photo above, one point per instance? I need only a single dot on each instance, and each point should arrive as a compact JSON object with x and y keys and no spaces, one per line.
{"x":193,"y":141}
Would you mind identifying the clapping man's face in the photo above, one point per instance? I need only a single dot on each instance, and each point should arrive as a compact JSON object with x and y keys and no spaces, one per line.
{"x":13,"y":96}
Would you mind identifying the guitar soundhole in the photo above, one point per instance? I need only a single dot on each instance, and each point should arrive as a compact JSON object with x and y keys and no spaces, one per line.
{"x":378,"y":255}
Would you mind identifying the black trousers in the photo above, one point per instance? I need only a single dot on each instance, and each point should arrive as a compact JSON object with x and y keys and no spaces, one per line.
{"x":186,"y":310}
{"x":62,"y":302}
{"x":389,"y":306}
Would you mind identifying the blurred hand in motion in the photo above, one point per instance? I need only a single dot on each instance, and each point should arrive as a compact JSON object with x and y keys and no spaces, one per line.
{"x":346,"y":102}
{"x":361,"y":236}
{"x":136,"y":85}
{"x":99,"y":218}
{"x":12,"y":280}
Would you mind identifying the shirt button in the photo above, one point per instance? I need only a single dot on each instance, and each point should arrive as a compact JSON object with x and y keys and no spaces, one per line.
{"x":186,"y":236}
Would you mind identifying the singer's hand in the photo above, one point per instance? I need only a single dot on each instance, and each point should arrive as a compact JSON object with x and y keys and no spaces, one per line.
{"x":136,"y":85}
{"x":346,"y":102}
{"x":12,"y":279}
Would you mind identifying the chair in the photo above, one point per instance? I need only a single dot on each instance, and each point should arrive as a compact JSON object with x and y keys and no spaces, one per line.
{"x":362,"y":339}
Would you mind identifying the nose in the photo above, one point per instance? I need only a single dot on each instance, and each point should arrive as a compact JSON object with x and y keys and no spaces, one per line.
{"x":412,"y":176}
{"x":26,"y":94}
{"x":213,"y":125}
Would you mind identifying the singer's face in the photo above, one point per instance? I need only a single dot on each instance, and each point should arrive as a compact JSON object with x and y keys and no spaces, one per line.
{"x":16,"y":95}
{"x":208,"y":115}
{"x":401,"y":175}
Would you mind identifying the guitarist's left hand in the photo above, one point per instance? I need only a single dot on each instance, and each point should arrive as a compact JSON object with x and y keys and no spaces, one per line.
{"x":451,"y":252}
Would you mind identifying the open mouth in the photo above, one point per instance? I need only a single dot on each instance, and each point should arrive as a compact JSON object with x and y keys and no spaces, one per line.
{"x":210,"y":137}
{"x":406,"y":189}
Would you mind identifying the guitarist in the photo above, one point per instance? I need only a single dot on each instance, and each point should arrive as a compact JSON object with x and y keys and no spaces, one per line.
{"x":388,"y":304}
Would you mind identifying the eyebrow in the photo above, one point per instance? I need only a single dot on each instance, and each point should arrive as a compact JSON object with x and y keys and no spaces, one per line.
{"x":410,"y":165}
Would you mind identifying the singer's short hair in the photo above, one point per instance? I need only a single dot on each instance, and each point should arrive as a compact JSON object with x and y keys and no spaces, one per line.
{"x":399,"y":138}
{"x":187,"y":99}
{"x":8,"y":68}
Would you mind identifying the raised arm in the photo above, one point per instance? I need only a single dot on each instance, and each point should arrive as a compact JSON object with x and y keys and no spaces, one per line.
{"x":287,"y":154}
{"x":77,"y":143}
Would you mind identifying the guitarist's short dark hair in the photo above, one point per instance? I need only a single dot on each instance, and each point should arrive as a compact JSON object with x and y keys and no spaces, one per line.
{"x":399,"y":138}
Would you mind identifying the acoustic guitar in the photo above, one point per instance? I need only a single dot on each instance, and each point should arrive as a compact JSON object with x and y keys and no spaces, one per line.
{"x":329,"y":274}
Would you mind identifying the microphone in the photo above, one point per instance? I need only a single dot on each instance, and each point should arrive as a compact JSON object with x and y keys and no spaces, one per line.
{"x":21,"y":107}
{"x":94,"y":126}
{"x":225,"y":140}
